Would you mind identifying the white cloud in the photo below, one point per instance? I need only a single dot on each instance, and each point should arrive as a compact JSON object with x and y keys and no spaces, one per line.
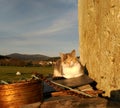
{"x":62,"y":23}
{"x":31,"y":27}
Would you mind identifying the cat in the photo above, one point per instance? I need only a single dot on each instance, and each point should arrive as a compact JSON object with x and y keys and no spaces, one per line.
{"x":68,"y":66}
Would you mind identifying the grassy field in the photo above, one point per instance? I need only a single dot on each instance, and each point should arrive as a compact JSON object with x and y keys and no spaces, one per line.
{"x":8,"y":73}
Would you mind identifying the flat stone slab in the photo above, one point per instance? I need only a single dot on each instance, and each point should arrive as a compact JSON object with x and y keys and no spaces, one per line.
{"x":75,"y":82}
{"x":76,"y":102}
{"x":72,"y":82}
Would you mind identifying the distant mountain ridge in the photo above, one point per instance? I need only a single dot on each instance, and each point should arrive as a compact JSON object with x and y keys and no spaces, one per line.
{"x":4,"y":57}
{"x":28,"y":56}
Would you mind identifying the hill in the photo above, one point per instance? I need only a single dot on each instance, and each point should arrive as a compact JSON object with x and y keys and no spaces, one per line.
{"x":28,"y":56}
{"x":4,"y":57}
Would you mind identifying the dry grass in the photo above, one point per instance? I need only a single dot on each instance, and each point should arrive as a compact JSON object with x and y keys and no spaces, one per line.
{"x":8,"y":73}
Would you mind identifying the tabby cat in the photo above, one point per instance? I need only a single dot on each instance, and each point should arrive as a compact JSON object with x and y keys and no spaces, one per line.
{"x":68,"y":66}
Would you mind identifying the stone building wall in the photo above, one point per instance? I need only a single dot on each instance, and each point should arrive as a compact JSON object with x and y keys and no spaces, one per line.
{"x":99,"y":37}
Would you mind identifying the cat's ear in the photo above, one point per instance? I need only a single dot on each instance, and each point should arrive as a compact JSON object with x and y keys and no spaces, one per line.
{"x":73,"y":53}
{"x":61,"y":55}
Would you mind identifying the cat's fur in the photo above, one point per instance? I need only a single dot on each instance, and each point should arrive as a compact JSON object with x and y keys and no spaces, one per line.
{"x":68,"y":66}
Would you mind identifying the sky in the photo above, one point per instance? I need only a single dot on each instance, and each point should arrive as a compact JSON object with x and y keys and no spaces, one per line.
{"x":45,"y":27}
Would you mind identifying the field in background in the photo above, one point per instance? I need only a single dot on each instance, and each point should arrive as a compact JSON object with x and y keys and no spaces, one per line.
{"x":8,"y":73}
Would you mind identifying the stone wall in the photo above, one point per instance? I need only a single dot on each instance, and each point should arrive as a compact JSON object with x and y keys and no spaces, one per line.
{"x":99,"y":37}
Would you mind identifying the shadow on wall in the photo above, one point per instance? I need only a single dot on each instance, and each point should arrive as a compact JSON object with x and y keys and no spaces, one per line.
{"x":93,"y":84}
{"x":115,"y":95}
{"x":114,"y":100}
{"x":86,"y":70}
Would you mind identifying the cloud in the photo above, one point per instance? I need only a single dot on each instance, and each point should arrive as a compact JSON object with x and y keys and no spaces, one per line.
{"x":35,"y":16}
{"x":38,"y":25}
{"x":26,"y":11}
{"x":66,"y":21}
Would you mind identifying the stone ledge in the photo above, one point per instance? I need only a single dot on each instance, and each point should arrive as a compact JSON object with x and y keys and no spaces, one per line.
{"x":76,"y":102}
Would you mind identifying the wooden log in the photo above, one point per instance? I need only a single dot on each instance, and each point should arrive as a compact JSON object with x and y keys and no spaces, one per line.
{"x":94,"y":92}
{"x":72,"y":90}
{"x":65,"y":93}
{"x":59,"y":93}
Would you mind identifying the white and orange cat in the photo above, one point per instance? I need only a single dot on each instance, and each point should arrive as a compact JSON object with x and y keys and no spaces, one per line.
{"x":68,"y":66}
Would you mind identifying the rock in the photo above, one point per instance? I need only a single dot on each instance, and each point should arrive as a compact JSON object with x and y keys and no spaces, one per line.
{"x":75,"y":102}
{"x":99,"y":27}
{"x":18,"y":73}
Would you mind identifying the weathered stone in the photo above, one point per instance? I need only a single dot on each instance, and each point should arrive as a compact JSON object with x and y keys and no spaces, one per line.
{"x":75,"y":102}
{"x":99,"y":28}
{"x":33,"y":105}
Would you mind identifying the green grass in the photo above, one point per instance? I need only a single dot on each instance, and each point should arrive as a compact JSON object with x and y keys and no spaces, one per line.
{"x":8,"y":73}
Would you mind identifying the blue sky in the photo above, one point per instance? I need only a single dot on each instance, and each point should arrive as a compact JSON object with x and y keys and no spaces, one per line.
{"x":38,"y":26}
